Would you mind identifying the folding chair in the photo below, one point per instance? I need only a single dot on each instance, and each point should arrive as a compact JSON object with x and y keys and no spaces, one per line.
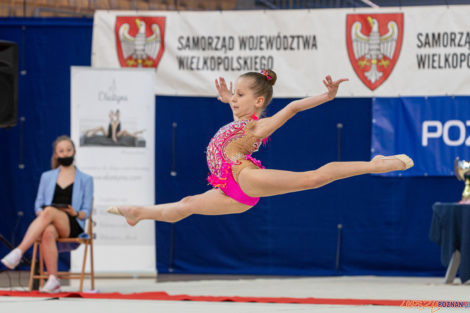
{"x":66,"y":245}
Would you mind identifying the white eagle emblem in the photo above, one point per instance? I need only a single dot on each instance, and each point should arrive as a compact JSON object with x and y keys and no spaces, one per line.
{"x":374,"y":47}
{"x":140,"y":50}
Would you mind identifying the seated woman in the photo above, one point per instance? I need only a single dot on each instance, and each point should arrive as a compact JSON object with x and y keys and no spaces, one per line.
{"x":63,"y":204}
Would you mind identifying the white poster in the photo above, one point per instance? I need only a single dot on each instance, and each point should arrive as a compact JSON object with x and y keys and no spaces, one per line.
{"x":113,"y":126}
{"x":408,"y":51}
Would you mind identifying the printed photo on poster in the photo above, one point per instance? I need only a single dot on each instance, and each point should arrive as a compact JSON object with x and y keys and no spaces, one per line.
{"x":113,"y":133}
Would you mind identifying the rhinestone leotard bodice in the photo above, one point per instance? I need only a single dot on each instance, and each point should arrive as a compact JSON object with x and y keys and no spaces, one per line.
{"x":232,"y":143}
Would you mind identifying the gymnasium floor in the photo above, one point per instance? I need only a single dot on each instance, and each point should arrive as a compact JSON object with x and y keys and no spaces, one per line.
{"x":361,"y":289}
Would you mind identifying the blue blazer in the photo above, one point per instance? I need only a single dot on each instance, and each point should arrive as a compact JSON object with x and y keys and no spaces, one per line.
{"x":82,"y":192}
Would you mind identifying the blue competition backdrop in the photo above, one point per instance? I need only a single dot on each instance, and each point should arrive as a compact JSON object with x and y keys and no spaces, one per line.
{"x":431,"y":130}
{"x":385,"y":220}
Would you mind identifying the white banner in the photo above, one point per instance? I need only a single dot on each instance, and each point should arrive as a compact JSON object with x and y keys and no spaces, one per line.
{"x":412,"y":51}
{"x":112,"y":124}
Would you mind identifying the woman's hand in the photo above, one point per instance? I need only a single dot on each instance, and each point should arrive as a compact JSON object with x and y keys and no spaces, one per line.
{"x":225,"y":94}
{"x":71,"y":211}
{"x":333,"y":86}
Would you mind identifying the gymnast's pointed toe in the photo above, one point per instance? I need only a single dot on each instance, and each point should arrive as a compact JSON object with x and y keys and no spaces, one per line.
{"x":114,"y":210}
{"x":405,"y":159}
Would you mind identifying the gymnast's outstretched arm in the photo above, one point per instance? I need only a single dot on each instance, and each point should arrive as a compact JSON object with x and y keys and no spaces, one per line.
{"x":266,"y":126}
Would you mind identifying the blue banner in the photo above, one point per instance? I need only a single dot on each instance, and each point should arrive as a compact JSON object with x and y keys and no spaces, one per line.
{"x":431,"y":130}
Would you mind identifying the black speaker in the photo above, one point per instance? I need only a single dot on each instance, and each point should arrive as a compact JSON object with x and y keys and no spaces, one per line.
{"x":8,"y":83}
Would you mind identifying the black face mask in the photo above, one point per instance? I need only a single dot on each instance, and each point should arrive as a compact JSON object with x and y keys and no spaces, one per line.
{"x":65,"y":161}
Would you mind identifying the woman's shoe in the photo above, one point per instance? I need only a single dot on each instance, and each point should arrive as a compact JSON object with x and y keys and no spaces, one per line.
{"x":12,"y":259}
{"x":52,"y":285}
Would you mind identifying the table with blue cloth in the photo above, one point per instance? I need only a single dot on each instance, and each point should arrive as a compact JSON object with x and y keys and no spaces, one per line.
{"x":450,"y":228}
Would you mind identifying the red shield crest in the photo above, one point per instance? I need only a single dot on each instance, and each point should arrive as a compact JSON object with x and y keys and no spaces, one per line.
{"x":140,"y":40}
{"x":374,"y":42}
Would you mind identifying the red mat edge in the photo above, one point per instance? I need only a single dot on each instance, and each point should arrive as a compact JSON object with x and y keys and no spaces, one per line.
{"x":167,"y":297}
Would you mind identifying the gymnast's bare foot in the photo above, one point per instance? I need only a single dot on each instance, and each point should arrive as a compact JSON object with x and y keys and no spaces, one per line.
{"x":385,"y":164}
{"x":129,"y":212}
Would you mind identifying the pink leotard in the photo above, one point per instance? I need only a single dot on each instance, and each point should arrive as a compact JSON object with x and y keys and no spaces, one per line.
{"x":228,"y":152}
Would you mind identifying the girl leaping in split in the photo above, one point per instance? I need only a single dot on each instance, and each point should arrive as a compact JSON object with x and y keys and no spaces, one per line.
{"x":238,"y":179}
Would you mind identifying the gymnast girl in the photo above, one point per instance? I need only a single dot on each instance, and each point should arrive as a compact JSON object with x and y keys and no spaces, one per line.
{"x":239,"y":180}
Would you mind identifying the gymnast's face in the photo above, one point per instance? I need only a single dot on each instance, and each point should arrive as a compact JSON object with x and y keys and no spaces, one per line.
{"x":244,"y":101}
{"x":64,"y":149}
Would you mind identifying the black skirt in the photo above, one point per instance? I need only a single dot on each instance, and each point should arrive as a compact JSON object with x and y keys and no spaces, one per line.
{"x":75,"y":228}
